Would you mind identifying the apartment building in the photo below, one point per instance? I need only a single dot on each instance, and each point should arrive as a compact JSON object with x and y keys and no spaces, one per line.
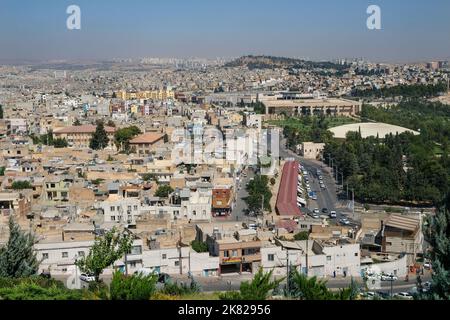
{"x":80,"y":136}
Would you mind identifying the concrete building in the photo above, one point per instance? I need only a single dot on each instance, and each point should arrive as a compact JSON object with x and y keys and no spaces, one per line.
{"x":403,"y":235}
{"x":146,"y":143}
{"x":80,"y":136}
{"x":311,"y":150}
{"x":309,"y":107}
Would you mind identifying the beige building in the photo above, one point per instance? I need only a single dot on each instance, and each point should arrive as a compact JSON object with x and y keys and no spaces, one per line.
{"x":147,"y":142}
{"x":80,"y":136}
{"x":311,"y":150}
{"x":308,"y":107}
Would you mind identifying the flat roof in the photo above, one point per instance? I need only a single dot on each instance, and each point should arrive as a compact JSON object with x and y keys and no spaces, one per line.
{"x":370,"y":129}
{"x":287,"y":194}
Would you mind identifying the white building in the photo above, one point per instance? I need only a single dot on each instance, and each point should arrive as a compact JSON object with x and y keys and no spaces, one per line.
{"x":118,"y":209}
{"x":323,"y":260}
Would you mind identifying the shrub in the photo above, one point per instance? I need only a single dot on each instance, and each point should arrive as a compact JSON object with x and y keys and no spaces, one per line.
{"x":199,"y":246}
{"x":135,"y":287}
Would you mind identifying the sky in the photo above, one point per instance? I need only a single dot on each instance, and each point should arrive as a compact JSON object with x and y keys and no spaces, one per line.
{"x":411,"y":30}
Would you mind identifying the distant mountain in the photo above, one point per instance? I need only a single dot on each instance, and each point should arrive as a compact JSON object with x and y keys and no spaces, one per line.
{"x":270,"y":62}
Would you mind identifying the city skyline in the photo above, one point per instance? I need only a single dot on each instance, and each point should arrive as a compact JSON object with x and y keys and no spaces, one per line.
{"x":412,"y":31}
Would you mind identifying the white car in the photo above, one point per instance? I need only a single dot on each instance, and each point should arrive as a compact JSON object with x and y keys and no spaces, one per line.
{"x":389,"y":277}
{"x":86,"y":277}
{"x":404,"y":295}
{"x":316,"y":211}
{"x":333,"y":214}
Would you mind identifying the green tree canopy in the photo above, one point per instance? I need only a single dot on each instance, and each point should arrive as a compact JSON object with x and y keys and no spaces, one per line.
{"x":437,"y":234}
{"x":20,"y":185}
{"x":257,"y":289}
{"x":199,"y":246}
{"x":99,"y":139}
{"x":163,"y":191}
{"x":257,"y":188}
{"x":135,"y":287}
{"x":18,"y":257}
{"x":106,"y":250}
{"x":124,"y":135}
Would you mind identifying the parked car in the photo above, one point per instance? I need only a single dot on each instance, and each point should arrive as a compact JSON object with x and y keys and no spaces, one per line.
{"x":333,"y":214}
{"x":344,"y":221}
{"x":316,"y":210}
{"x":403,"y":296}
{"x":325,"y":210}
{"x":388,"y":277}
{"x":427,"y":265}
{"x":87,"y":277}
{"x":383,"y":294}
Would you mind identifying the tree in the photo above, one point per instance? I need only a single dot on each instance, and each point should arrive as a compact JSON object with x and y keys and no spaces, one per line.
{"x":163,"y":191}
{"x":20,"y":185}
{"x":302,"y":235}
{"x":437,"y":234}
{"x":304,"y":288}
{"x":77,"y":122}
{"x":257,"y":289}
{"x":199,"y":246}
{"x":111,"y":124}
{"x":99,"y":139}
{"x":2,"y":171}
{"x":135,"y":287}
{"x":1,"y":111}
{"x":123,"y":136}
{"x":105,"y":251}
{"x":60,"y":143}
{"x":17,"y":257}
{"x":257,"y":188}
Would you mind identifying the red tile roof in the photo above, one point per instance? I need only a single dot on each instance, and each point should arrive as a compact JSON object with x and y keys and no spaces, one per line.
{"x":287,"y":194}
{"x":147,"y":138}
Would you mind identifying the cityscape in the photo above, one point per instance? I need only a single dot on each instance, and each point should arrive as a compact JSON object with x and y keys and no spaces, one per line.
{"x":249,"y":175}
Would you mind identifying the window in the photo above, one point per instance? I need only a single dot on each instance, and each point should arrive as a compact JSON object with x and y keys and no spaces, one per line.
{"x":136,"y":250}
{"x":177,"y":263}
{"x":135,"y":207}
{"x":129,"y":208}
{"x":52,"y":185}
{"x":81,"y":253}
{"x":65,"y":254}
{"x":133,"y":264}
{"x":194,"y":213}
{"x":328,"y":258}
{"x":271,"y":257}
{"x":112,"y":209}
{"x":226,"y":253}
{"x":45,"y":256}
{"x":64,"y":194}
{"x":234,"y":253}
{"x":113,"y":218}
{"x":356,"y":254}
{"x":164,"y":256}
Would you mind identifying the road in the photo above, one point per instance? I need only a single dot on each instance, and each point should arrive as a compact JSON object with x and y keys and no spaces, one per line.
{"x":326,"y":198}
{"x":233,"y":282}
{"x":238,"y":211}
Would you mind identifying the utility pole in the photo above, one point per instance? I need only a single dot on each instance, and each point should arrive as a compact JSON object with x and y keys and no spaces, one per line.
{"x":179,"y":254}
{"x":287,"y":270}
{"x":306,"y":260}
{"x":353,"y":202}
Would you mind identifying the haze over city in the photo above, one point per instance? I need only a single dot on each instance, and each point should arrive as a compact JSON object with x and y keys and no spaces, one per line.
{"x":315,"y":30}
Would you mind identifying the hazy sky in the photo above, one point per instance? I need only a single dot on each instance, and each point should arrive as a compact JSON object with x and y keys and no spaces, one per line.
{"x":316,"y":29}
